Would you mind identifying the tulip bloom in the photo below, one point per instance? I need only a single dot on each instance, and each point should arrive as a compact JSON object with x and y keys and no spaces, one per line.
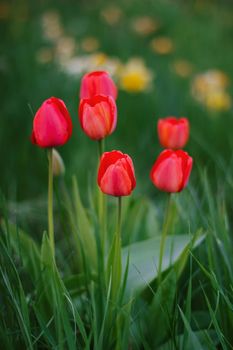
{"x":97,"y":83}
{"x":52,"y":125}
{"x":171,"y":170}
{"x":173,"y":132}
{"x":98,"y":116}
{"x":116,"y":174}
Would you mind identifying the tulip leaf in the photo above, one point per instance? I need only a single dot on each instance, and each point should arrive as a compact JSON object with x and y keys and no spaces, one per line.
{"x":144,"y":259}
{"x":86,"y":239}
{"x":25,"y":248}
{"x":114,"y":266}
{"x":75,"y":284}
{"x":56,"y":293}
{"x":161,"y":307}
{"x":205,"y":339}
{"x":191,"y":341}
{"x":47,"y":260}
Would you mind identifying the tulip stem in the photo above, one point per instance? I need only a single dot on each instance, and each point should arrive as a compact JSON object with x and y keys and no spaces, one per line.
{"x":115,"y":255}
{"x":101,"y":147}
{"x":50,"y":201}
{"x":102,"y":202}
{"x":119,"y":216}
{"x":166,"y":224}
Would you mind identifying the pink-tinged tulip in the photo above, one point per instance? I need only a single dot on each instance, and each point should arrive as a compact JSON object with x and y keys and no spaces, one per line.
{"x":173,"y":132}
{"x":171,"y":170}
{"x":97,"y":83}
{"x":98,"y":116}
{"x":52,"y":125}
{"x":116,"y":174}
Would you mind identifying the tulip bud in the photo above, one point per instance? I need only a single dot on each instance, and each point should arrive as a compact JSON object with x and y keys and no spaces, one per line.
{"x":171,"y":170}
{"x":173,"y":132}
{"x":98,"y":116}
{"x":58,"y":164}
{"x":116,"y":175}
{"x":52,"y":125}
{"x":97,"y":83}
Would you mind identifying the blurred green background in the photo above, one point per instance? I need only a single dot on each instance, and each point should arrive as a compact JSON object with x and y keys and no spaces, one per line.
{"x":155,"y":51}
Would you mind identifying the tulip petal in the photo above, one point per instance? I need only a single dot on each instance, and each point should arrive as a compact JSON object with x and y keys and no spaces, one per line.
{"x":187,"y":163}
{"x":62,"y":107}
{"x":187,"y":172}
{"x":128,"y":164}
{"x":168,"y":175}
{"x":97,"y":83}
{"x":171,"y":171}
{"x":116,"y":181}
{"x":173,"y":132}
{"x":98,"y":116}
{"x":107,"y":159}
{"x":52,"y":125}
{"x":116,"y":174}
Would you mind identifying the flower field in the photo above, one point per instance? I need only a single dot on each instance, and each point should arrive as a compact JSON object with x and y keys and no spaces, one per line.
{"x":116,"y":182}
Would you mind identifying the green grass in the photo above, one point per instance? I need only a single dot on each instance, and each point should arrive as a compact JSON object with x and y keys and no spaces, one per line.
{"x":82,"y":303}
{"x":79,"y":304}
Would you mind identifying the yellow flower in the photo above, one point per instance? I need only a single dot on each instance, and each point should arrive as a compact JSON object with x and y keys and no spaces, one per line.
{"x":85,"y":63}
{"x":162,"y":45}
{"x":144,"y":25}
{"x":44,"y":55}
{"x":210,"y":81}
{"x":111,"y":14}
{"x":51,"y":25}
{"x":217,"y":79}
{"x":135,"y":76}
{"x":90,"y":44}
{"x":76,"y":65}
{"x":209,"y":88}
{"x":182,"y":68}
{"x":98,"y":59}
{"x":65,"y":48}
{"x":218,"y":101}
{"x":101,"y":61}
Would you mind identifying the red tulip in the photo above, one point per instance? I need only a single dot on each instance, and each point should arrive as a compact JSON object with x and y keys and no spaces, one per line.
{"x":52,"y":125}
{"x":171,"y":170}
{"x":97,"y":83}
{"x":98,"y":116}
{"x":116,"y":174}
{"x":173,"y":132}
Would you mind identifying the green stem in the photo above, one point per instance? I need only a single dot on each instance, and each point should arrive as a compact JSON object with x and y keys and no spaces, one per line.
{"x":164,"y":235}
{"x":50,"y":201}
{"x":101,"y":147}
{"x":114,"y":267}
{"x":102,"y":202}
{"x":116,"y":261}
{"x":119,"y":216}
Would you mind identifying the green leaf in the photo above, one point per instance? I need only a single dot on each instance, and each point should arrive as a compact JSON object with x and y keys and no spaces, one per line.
{"x":191,"y":341}
{"x":216,"y":324}
{"x":75,"y":284}
{"x":114,"y":266}
{"x":57,"y":295}
{"x":25,"y":248}
{"x":85,"y":231}
{"x":47,"y":260}
{"x":144,"y":259}
{"x":18,"y":300}
{"x":133,"y":228}
{"x":207,"y":339}
{"x":162,"y":308}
